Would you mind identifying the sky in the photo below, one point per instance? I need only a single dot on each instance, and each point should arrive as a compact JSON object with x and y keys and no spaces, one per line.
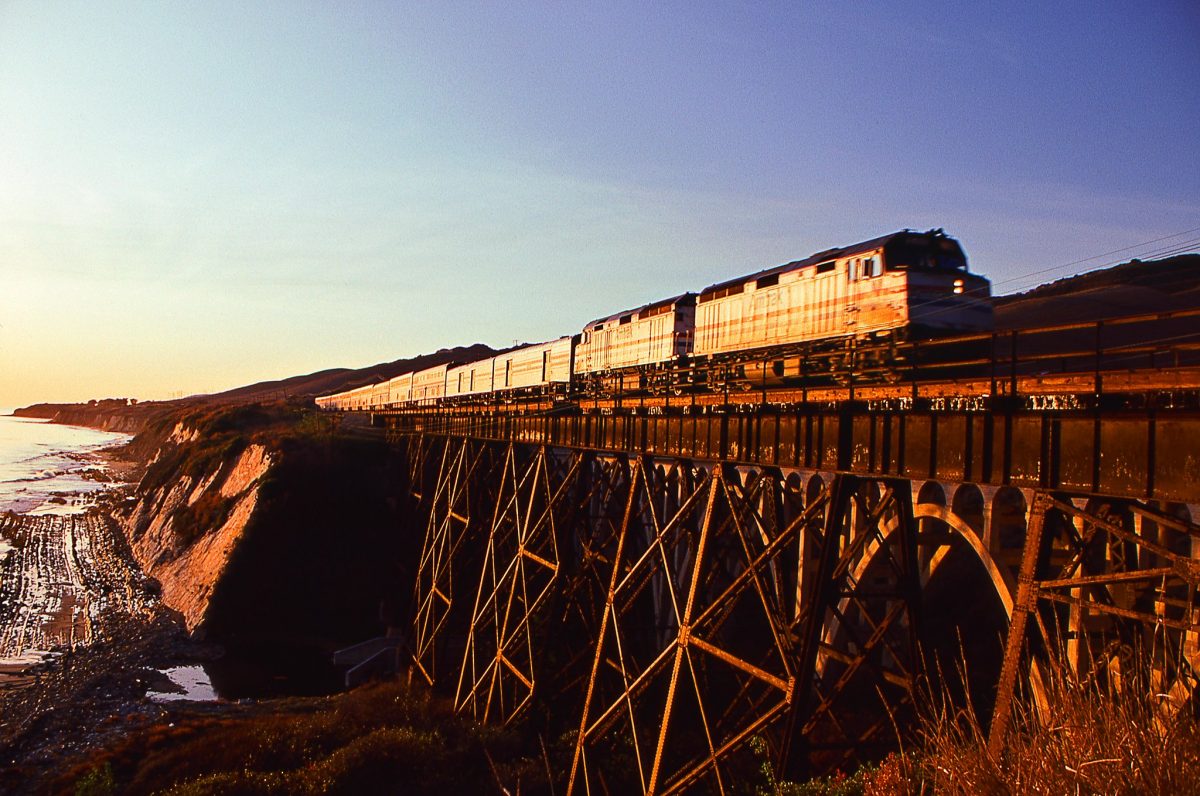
{"x":196,"y":196}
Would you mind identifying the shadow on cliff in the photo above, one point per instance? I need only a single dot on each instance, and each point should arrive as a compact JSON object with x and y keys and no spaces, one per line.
{"x":277,"y":536}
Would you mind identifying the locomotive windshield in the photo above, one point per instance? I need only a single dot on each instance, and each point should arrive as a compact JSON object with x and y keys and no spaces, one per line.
{"x":925,"y":254}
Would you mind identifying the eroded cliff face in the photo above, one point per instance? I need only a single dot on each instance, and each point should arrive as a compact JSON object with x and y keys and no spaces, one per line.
{"x":284,"y":535}
{"x":109,"y":415}
{"x":188,"y":572}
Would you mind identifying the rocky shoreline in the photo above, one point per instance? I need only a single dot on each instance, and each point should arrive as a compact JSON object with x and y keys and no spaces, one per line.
{"x":236,"y":526}
{"x":72,"y":593}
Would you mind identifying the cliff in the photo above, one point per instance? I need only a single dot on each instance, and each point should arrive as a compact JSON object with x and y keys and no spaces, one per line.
{"x":267,"y":524}
{"x":110,"y":414}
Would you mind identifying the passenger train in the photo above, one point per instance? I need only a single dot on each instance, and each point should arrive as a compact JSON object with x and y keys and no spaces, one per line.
{"x":838,"y":311}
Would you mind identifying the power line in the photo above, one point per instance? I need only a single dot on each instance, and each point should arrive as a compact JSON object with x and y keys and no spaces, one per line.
{"x":1186,"y":244}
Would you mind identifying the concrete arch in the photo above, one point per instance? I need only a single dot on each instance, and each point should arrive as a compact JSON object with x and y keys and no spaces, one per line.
{"x":794,"y":483}
{"x":813,"y":489}
{"x":932,"y":492}
{"x":1001,"y":578}
{"x":1005,"y":534}
{"x":969,"y":505}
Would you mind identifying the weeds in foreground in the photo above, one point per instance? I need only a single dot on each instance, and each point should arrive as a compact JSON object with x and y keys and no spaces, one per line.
{"x":382,"y":738}
{"x":1086,"y":738}
{"x":97,"y":782}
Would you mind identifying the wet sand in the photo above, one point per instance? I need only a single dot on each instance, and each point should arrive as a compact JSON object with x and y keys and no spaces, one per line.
{"x":61,"y":575}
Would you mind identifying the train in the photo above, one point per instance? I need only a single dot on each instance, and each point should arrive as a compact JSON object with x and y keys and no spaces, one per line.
{"x":839,"y":311}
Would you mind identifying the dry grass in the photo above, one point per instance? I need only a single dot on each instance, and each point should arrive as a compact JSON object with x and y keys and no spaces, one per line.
{"x":382,"y":738}
{"x":386,"y":738}
{"x":1087,"y":739}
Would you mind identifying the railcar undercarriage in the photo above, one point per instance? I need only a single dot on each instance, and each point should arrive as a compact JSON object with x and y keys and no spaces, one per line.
{"x":880,"y":359}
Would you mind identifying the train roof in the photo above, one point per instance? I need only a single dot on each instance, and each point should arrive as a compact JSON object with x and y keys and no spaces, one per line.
{"x":830,"y":254}
{"x":653,"y":305}
{"x":526,"y":346}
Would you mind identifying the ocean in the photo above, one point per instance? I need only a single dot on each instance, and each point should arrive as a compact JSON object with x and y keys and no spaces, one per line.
{"x":43,"y":465}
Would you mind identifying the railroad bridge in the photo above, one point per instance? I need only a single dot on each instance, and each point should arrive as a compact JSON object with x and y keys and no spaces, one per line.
{"x":682,"y":584}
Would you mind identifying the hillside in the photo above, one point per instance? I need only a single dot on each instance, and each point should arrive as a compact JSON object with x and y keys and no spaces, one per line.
{"x":1132,"y":288}
{"x":337,"y":379}
{"x":130,"y":416}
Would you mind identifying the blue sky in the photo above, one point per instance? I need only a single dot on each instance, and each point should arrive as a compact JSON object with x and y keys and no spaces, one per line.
{"x":195,"y":196}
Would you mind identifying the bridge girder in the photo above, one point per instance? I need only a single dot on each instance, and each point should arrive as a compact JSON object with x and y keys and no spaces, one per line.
{"x":689,"y":619}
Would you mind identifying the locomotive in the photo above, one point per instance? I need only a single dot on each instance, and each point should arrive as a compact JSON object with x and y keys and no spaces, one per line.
{"x":840,"y":311}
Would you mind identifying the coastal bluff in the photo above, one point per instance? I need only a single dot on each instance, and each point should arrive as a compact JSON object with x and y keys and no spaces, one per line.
{"x":261,"y":523}
{"x":264,"y":524}
{"x":111,"y":414}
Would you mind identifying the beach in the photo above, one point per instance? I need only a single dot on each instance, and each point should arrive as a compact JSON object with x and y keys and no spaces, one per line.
{"x":81,"y":627}
{"x":48,"y":468}
{"x":63,"y":561}
{"x":61,"y":576}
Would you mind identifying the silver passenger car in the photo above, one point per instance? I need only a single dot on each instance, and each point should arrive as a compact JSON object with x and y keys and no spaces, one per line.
{"x":543,"y":366}
{"x":356,"y":399}
{"x":399,"y":389}
{"x":474,"y":378}
{"x":429,"y":385}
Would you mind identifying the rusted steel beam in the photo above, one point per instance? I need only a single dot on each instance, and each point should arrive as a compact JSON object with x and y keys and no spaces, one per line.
{"x":1103,"y":608}
{"x":500,"y":671}
{"x":1025,"y":604}
{"x":1113,"y":577}
{"x":1142,"y":454}
{"x":708,"y":615}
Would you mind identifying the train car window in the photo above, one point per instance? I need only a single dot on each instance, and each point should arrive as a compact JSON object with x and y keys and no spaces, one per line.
{"x":626,"y":319}
{"x":826,"y":267}
{"x":768,"y":281}
{"x":852,"y":274}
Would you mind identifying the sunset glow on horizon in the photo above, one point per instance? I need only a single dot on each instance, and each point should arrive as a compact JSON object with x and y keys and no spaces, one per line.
{"x":198,"y":196}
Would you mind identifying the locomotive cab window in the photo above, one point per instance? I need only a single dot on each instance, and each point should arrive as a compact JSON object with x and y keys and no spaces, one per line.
{"x":943,"y":255}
